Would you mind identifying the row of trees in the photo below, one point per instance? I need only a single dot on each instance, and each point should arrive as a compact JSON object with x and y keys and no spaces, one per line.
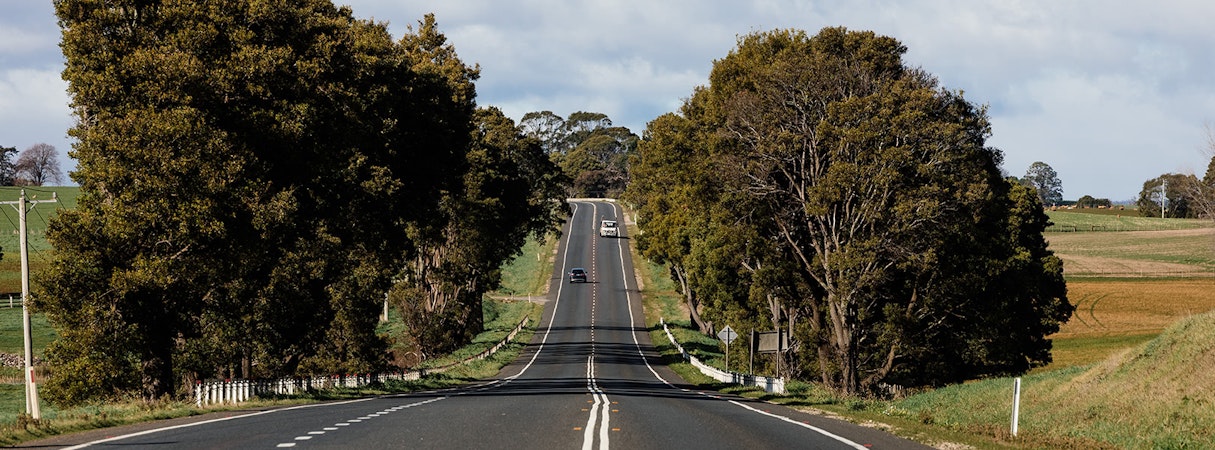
{"x":589,"y":149}
{"x":255,"y":178}
{"x":820,"y":186}
{"x":1181,"y":195}
{"x":34,"y":166}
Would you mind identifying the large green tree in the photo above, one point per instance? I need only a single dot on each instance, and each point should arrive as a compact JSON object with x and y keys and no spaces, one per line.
{"x":205,"y":136}
{"x":1176,"y":193}
{"x":668,"y":190}
{"x":1043,"y":178}
{"x":858,"y":179}
{"x":253,"y":177}
{"x":511,"y":190}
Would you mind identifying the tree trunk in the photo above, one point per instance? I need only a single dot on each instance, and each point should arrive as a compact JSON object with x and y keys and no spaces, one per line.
{"x":842,"y":346}
{"x":689,"y":296}
{"x":157,"y":370}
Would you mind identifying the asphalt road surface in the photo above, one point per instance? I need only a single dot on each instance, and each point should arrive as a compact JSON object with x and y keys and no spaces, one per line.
{"x":589,"y":379}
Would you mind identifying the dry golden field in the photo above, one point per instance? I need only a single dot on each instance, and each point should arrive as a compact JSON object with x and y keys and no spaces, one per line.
{"x":1114,"y":315}
{"x":1130,"y":286}
{"x":1122,"y":307}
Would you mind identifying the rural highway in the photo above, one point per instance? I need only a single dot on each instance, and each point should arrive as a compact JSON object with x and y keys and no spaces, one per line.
{"x":589,"y":379}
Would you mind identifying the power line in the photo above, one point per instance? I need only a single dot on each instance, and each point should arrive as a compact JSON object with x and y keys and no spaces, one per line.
{"x":31,"y":389}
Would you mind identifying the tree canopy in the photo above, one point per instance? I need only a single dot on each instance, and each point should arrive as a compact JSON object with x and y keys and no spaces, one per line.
{"x":1045,"y":181}
{"x":591,"y":152}
{"x":820,"y":185}
{"x":1176,"y":193}
{"x":254,"y":179}
{"x":7,"y":168}
{"x":1088,"y":201}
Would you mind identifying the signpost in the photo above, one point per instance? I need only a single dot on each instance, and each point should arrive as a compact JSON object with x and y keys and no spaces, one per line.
{"x":729,"y":335}
{"x":772,"y":341}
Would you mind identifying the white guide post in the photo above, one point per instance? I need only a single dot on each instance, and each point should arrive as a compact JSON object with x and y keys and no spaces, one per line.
{"x":1016,"y":412}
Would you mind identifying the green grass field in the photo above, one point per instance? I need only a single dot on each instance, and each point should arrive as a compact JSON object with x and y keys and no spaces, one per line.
{"x":528,"y":274}
{"x":1098,"y":244}
{"x":11,"y":340}
{"x":1116,"y":220}
{"x":36,"y":219}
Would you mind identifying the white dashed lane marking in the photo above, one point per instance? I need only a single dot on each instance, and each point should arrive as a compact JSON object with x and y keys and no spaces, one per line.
{"x":347,"y":423}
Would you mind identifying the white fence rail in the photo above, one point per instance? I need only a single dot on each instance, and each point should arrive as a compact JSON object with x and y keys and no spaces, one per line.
{"x":769,"y":384}
{"x":229,"y":392}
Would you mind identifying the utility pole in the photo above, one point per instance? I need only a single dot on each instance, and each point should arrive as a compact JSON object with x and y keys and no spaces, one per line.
{"x":31,"y":388}
{"x":1164,"y":196}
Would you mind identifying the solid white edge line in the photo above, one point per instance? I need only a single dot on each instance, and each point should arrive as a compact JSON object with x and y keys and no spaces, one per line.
{"x":565,"y":257}
{"x":821,"y":431}
{"x":205,"y":422}
{"x":629,"y":297}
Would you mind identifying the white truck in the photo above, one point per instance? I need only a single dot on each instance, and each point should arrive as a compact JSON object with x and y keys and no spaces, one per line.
{"x":608,"y":228}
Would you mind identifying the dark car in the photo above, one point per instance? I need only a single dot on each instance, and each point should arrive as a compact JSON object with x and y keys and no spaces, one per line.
{"x":578,"y":274}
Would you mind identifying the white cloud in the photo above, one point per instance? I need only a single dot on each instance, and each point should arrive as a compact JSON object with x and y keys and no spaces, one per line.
{"x":14,"y":40}
{"x":1105,"y":135}
{"x":1110,"y":94}
{"x":34,"y":109}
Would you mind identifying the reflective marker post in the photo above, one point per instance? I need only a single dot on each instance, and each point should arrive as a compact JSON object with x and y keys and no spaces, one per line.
{"x":1016,"y":404}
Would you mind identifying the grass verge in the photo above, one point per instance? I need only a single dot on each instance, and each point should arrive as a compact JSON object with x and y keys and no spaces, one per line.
{"x":528,"y":274}
{"x":1089,"y":398}
{"x":17,"y":427}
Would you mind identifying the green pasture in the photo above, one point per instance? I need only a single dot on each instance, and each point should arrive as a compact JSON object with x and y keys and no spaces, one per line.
{"x":1187,"y":252}
{"x":11,"y":340}
{"x":36,"y":219}
{"x":1082,"y":220}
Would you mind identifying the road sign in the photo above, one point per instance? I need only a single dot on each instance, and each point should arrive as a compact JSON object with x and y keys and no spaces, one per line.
{"x":771,"y":341}
{"x":727,"y":334}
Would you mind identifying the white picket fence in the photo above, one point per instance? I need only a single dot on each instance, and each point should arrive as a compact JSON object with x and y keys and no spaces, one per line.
{"x":230,"y":392}
{"x":769,"y":384}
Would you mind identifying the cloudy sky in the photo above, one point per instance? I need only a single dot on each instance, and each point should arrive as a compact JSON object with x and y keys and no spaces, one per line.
{"x":1110,"y":94}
